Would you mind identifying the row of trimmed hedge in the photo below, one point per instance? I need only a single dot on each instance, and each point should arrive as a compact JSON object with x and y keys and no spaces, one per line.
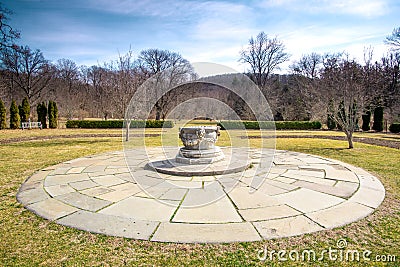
{"x":278,"y":125}
{"x":87,"y":124}
{"x":395,"y":127}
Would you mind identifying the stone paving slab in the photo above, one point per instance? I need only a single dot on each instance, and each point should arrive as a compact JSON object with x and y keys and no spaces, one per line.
{"x":82,"y":201}
{"x":370,"y":182}
{"x":108,"y":180}
{"x":343,"y":175}
{"x":27,"y":195}
{"x":286,"y":227}
{"x":243,"y":199}
{"x":368,"y":197}
{"x":340,"y":215}
{"x":206,"y":233}
{"x":38,"y":176}
{"x":75,"y":170}
{"x":141,"y":209}
{"x":271,"y":190}
{"x":174,"y":194}
{"x":303,"y":172}
{"x":82,"y":185}
{"x":60,"y":189}
{"x":120,"y":192}
{"x":343,"y":190}
{"x":299,"y":194}
{"x":109,"y":225}
{"x":96,"y":191}
{"x":51,"y":209}
{"x":284,"y":186}
{"x":65,"y":179}
{"x":61,"y":170}
{"x":316,"y":180}
{"x":153,"y":192}
{"x":221,"y":211}
{"x":306,"y":200}
{"x":268,"y":213}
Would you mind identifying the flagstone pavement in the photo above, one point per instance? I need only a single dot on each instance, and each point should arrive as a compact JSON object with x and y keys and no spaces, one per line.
{"x":108,"y":195}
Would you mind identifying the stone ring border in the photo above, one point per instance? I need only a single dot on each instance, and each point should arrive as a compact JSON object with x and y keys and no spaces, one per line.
{"x":34,"y":197}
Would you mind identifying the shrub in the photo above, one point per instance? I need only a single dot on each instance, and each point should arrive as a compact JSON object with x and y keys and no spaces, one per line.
{"x":239,"y":125}
{"x":366,"y":121}
{"x":331,"y":123}
{"x":378,"y":119}
{"x":3,"y":115}
{"x":24,"y":110}
{"x":42,"y":113}
{"x":118,"y":124}
{"x":279,"y":125}
{"x":298,"y":125}
{"x":14,"y":116}
{"x":394,"y":128}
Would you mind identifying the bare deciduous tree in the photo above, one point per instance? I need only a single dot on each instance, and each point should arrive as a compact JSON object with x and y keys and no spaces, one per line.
{"x":308,"y":65}
{"x":343,"y":85}
{"x":390,"y":75}
{"x":264,"y":55}
{"x":67,"y":70}
{"x":125,"y":81}
{"x":97,"y":81}
{"x":66,"y":88}
{"x":394,"y":39}
{"x":307,"y":73}
{"x":7,"y":33}
{"x":167,"y":69}
{"x":29,"y":70}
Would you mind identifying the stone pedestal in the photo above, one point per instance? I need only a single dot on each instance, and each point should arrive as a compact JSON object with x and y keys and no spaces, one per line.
{"x":204,"y":156}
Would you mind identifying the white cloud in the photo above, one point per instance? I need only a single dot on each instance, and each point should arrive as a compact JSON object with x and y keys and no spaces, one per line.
{"x":362,"y":8}
{"x":169,"y":8}
{"x":324,"y":39}
{"x":367,"y":8}
{"x":64,"y":37}
{"x":220,"y":29}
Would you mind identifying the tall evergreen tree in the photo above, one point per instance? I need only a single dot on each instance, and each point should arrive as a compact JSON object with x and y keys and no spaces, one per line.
{"x":42,"y":114}
{"x":14,"y":116}
{"x":378,"y":119}
{"x":52,"y":112}
{"x":366,"y":120}
{"x":55,"y":114}
{"x":2,"y":115}
{"x":25,"y":110}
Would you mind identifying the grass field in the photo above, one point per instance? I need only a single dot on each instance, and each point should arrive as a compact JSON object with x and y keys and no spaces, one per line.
{"x":28,"y":240}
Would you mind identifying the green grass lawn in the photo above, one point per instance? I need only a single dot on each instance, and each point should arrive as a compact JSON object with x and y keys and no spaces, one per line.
{"x":28,"y":240}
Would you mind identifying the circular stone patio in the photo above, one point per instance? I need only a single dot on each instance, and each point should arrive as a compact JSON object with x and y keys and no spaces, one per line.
{"x":301,"y":194}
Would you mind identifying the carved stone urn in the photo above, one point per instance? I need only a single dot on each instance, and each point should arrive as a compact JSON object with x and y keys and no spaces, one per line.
{"x":199,"y":137}
{"x":199,"y":145}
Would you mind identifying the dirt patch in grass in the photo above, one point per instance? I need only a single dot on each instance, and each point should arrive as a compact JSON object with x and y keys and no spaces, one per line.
{"x":43,"y":138}
{"x":365,"y":140}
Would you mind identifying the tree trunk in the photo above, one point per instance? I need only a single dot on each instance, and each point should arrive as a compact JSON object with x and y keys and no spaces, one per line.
{"x":349,"y":136}
{"x":128,"y":124}
{"x":158,"y":113}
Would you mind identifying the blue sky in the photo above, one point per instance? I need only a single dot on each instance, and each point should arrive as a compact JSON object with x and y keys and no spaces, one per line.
{"x":94,"y":31}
